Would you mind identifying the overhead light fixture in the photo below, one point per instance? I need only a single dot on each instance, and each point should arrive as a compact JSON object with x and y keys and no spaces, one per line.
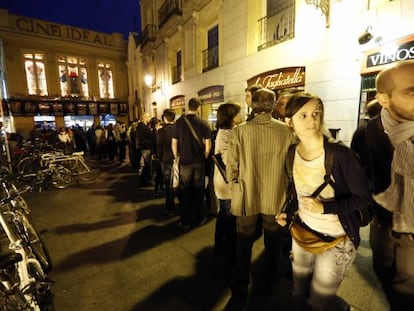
{"x":366,"y":36}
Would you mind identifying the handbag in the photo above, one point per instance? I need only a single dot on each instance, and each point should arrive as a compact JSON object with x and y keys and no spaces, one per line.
{"x":310,"y":240}
{"x":175,"y":173}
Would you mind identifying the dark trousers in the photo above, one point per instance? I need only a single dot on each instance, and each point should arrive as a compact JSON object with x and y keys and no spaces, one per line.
{"x":392,"y":256}
{"x":225,"y":236}
{"x":169,"y":191}
{"x":192,"y":184}
{"x":246,"y":235}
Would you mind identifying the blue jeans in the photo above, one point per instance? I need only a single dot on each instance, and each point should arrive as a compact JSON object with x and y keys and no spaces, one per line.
{"x":392,"y":256}
{"x":318,"y":276}
{"x":192,"y":184}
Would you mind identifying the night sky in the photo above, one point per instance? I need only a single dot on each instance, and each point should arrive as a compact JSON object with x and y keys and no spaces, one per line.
{"x":100,"y":15}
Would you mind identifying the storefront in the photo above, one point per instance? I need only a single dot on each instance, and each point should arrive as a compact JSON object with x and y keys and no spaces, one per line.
{"x":377,"y":59}
{"x":290,"y":79}
{"x":211,"y":98}
{"x":64,"y":113}
{"x":177,"y":104}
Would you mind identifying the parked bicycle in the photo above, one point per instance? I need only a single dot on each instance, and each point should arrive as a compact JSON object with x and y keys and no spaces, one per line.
{"x":40,"y":173}
{"x":32,"y":262}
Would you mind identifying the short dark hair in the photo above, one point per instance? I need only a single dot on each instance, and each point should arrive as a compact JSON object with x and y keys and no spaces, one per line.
{"x":263,"y":100}
{"x":298,"y":100}
{"x":168,"y":115}
{"x":225,"y":115}
{"x":194,"y":103}
{"x":253,"y":88}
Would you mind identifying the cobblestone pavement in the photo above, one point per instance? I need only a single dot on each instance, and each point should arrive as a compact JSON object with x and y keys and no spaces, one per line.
{"x":114,"y":249}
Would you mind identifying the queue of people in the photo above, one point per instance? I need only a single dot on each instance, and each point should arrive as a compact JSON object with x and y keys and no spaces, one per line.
{"x":320,"y":215}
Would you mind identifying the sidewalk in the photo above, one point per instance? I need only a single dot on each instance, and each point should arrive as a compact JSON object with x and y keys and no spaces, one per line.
{"x":114,"y":249}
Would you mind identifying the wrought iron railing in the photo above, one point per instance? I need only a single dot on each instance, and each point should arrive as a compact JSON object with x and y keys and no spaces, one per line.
{"x":148,"y":34}
{"x":168,"y":9}
{"x":277,"y":28}
{"x":210,"y":58}
{"x":176,"y":74}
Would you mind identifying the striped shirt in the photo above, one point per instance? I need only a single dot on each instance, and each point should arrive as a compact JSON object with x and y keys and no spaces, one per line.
{"x":256,"y":159}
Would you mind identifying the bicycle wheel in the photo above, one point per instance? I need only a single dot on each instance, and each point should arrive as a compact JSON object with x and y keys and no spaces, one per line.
{"x":61,"y":177}
{"x":27,"y":165}
{"x":11,"y":296}
{"x":33,"y":242}
{"x":85,"y":172}
{"x":13,"y":299}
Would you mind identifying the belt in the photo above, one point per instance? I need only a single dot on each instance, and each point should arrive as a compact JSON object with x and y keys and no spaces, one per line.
{"x":322,"y":236}
{"x":398,"y":235}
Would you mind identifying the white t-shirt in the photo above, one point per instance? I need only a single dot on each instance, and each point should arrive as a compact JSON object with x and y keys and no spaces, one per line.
{"x":308,"y":176}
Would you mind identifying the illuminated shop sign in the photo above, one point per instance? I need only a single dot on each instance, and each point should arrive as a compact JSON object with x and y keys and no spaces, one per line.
{"x":280,"y":78}
{"x":212,"y":94}
{"x":177,"y":102}
{"x":376,"y":59}
{"x":60,"y":31}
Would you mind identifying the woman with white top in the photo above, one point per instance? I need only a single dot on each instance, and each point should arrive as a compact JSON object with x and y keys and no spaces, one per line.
{"x":325,"y":228}
{"x":228,"y":115}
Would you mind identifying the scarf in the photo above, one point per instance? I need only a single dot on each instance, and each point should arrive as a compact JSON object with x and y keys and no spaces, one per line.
{"x":399,"y":196}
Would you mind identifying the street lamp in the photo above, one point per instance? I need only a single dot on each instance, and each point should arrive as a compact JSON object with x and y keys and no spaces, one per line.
{"x":148,"y":79}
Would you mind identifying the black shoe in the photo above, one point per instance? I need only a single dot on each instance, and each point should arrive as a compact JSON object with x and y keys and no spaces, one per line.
{"x":236,"y":303}
{"x":183,"y":226}
{"x":201,"y":222}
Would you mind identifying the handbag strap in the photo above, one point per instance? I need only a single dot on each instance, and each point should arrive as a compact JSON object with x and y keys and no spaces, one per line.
{"x":329,"y":159}
{"x":193,"y":132}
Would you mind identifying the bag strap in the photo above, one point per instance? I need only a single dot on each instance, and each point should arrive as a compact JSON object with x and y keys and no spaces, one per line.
{"x":329,"y":160}
{"x":193,"y":132}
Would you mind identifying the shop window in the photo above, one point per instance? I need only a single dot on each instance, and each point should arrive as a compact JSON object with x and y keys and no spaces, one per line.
{"x":35,"y":74}
{"x":106,"y":82}
{"x":73,"y":76}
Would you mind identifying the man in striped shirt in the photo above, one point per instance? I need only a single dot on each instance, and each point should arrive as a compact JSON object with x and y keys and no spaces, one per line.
{"x":256,"y":160}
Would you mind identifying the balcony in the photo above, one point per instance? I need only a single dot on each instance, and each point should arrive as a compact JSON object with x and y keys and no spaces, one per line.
{"x":148,"y":34}
{"x":168,"y":9}
{"x":210,"y":58}
{"x":277,"y":28}
{"x":176,"y":74}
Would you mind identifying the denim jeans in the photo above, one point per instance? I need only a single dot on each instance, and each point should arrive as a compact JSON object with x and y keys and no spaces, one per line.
{"x":147,"y":169}
{"x":169,"y":192}
{"x":318,"y":276}
{"x":192,"y":184}
{"x":392,"y":256}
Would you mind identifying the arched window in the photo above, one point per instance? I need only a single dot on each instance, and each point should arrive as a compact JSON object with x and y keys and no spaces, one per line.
{"x":34,"y":66}
{"x":73,"y":76}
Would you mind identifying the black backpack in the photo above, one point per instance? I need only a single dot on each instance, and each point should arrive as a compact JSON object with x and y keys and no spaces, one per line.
{"x":364,"y":215}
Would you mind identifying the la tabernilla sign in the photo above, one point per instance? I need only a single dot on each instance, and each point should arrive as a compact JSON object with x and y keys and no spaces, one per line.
{"x":400,"y":49}
{"x":280,"y":78}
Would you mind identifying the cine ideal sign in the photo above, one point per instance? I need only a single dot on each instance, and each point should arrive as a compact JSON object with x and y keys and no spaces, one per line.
{"x":398,"y":50}
{"x":282,"y":78}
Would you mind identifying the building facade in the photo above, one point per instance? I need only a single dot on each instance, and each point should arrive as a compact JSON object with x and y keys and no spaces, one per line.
{"x":57,"y":75}
{"x":214,"y":49}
